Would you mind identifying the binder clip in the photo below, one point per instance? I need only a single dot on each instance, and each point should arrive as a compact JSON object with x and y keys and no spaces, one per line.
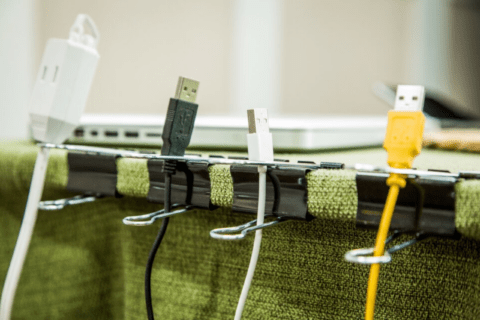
{"x":425,"y":207}
{"x":92,"y":175}
{"x":190,"y":186}
{"x":286,"y":198}
{"x":190,"y":183}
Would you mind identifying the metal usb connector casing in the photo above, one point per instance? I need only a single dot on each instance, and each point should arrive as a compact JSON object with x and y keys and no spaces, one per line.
{"x":257,"y":121}
{"x":409,"y":98}
{"x":180,"y":119}
{"x":187,"y":89}
{"x":259,"y":138}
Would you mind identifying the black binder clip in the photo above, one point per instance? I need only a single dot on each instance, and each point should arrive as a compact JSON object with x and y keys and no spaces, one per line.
{"x":425,"y":207}
{"x":286,"y":198}
{"x":286,"y":191}
{"x":190,"y":185}
{"x":92,"y":175}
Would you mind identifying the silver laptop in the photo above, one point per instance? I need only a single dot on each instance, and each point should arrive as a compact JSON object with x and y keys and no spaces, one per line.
{"x":294,"y":133}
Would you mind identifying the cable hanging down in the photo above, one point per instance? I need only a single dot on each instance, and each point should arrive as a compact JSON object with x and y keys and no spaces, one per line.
{"x":260,"y":147}
{"x":403,"y":142}
{"x":156,"y":245}
{"x":57,"y":102}
{"x":177,"y":132}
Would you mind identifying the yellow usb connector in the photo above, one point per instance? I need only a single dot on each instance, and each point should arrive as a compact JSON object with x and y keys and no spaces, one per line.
{"x":403,"y":142}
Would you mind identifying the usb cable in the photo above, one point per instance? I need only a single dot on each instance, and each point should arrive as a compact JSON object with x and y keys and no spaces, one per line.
{"x":57,"y":102}
{"x":403,"y":142}
{"x":177,"y":132}
{"x":260,"y":148}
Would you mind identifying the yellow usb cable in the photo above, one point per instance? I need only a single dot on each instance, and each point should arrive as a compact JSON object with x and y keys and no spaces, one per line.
{"x":403,"y":142}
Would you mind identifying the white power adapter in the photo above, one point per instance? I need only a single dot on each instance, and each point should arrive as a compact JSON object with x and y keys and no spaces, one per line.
{"x":63,"y":83}
{"x":58,"y":101}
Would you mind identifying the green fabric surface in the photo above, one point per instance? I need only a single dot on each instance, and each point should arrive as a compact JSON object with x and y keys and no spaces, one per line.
{"x":132,"y":177}
{"x":84,"y":263}
{"x":467,"y":208}
{"x":221,"y":185}
{"x":332,"y":194}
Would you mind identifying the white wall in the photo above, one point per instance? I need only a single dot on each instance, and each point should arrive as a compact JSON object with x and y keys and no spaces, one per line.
{"x":331,"y":52}
{"x":17,"y":52}
{"x":144,"y":47}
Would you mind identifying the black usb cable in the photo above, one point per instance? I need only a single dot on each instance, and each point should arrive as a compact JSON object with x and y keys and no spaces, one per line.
{"x":177,"y":131}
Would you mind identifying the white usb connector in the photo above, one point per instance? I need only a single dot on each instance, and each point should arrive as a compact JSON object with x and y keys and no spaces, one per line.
{"x":58,"y":100}
{"x":259,"y":138}
{"x":409,"y":98}
{"x":260,"y":148}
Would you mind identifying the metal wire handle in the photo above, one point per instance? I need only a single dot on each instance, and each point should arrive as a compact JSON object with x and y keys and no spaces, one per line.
{"x":362,"y":256}
{"x":52,"y":205}
{"x":141,"y":220}
{"x":244,"y":229}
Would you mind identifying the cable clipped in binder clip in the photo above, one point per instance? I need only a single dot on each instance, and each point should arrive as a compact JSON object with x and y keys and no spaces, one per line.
{"x":364,"y":255}
{"x":240,"y":232}
{"x":425,"y":206}
{"x":286,"y":198}
{"x":190,"y":185}
{"x":177,"y":132}
{"x":403,"y":142}
{"x":95,"y":176}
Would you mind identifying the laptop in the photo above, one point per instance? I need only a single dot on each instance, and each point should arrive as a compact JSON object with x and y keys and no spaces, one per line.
{"x":229,"y":132}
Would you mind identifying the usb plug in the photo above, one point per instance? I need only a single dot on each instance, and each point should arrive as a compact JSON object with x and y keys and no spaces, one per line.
{"x":259,"y":138}
{"x":403,"y":140}
{"x":409,"y":98}
{"x":180,"y":119}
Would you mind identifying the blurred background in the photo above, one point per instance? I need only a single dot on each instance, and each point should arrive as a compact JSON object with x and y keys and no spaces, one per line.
{"x":290,"y":56}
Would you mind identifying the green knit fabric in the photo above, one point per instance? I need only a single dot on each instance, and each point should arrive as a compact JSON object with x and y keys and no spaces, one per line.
{"x":221,"y":185}
{"x":132,"y":178}
{"x":332,"y":194}
{"x":83,"y":263}
{"x":467,"y":208}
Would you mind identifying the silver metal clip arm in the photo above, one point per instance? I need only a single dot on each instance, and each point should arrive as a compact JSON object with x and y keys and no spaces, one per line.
{"x":150,"y":218}
{"x":244,"y":229}
{"x":363,"y":256}
{"x":51,"y":205}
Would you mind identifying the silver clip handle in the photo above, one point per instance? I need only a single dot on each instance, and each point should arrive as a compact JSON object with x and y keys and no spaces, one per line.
{"x":362,"y":256}
{"x":244,"y":229}
{"x":150,"y":218}
{"x":52,"y":205}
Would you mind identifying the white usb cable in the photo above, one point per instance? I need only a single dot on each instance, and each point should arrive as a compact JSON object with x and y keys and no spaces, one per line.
{"x":260,"y":148}
{"x":58,"y":100}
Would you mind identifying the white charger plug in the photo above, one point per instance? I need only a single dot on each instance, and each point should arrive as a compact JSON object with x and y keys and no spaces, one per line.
{"x":58,"y":100}
{"x":63,"y":83}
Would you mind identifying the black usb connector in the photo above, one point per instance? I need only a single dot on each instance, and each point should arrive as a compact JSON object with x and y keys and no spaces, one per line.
{"x":177,"y":132}
{"x":180,"y":119}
